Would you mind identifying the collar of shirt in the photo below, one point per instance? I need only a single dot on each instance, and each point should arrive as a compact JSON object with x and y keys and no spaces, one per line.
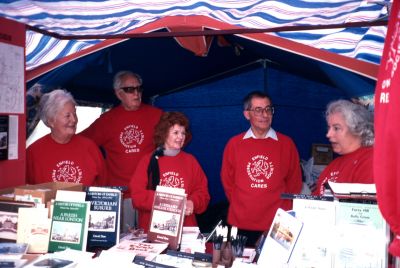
{"x":270,"y":134}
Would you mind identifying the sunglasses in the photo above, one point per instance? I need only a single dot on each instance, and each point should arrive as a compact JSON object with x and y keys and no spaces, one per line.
{"x":139,"y":89}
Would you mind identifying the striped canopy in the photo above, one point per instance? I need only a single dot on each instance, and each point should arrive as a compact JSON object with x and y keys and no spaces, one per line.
{"x":113,"y":17}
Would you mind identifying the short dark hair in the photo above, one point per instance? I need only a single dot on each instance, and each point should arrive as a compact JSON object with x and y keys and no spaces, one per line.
{"x":254,"y":94}
{"x":168,"y":120}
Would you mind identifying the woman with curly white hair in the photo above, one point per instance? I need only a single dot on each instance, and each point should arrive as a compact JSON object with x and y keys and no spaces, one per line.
{"x":351,"y":133}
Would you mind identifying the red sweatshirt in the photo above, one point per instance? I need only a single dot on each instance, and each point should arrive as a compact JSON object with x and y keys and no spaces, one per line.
{"x":125,"y":136}
{"x":254,"y":174}
{"x":180,"y":171}
{"x":78,"y":161}
{"x":355,"y":167}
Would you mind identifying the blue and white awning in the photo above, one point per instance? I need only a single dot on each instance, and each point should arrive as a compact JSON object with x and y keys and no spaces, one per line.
{"x":108,"y":17}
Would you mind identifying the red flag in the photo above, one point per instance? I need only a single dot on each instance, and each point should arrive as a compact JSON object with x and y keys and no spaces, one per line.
{"x":387,"y":130}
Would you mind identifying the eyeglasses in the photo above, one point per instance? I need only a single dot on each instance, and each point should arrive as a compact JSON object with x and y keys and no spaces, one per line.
{"x":269,"y":110}
{"x":139,"y":89}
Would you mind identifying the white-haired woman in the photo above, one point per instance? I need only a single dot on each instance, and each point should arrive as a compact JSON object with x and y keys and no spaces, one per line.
{"x":63,"y":156}
{"x":351,"y":133}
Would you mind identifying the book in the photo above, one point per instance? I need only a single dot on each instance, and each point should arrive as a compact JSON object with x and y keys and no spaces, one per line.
{"x":12,"y":263}
{"x":10,"y":250}
{"x":314,"y":247}
{"x":136,"y":248}
{"x":361,"y":236}
{"x":50,"y":261}
{"x":104,"y":217}
{"x":280,"y":240}
{"x":9,"y":219}
{"x":34,"y":229}
{"x":167,"y":216}
{"x":69,"y":225}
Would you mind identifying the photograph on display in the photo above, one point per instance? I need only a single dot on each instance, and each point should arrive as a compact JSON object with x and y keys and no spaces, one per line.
{"x":8,"y":225}
{"x":281,"y":239}
{"x":165,"y":222}
{"x":102,"y":221}
{"x":68,"y":232}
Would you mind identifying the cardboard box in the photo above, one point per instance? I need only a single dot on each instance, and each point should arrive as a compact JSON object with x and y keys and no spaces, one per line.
{"x":322,"y":154}
{"x":7,"y":194}
{"x":44,"y":192}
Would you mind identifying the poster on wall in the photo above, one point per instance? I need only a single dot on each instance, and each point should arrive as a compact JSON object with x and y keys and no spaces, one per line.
{"x":11,"y":79}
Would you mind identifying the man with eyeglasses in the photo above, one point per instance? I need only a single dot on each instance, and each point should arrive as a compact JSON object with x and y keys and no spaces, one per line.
{"x":125,"y":133}
{"x":257,"y":167}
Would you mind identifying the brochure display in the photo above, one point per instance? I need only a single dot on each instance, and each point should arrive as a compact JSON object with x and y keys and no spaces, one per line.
{"x":341,"y":233}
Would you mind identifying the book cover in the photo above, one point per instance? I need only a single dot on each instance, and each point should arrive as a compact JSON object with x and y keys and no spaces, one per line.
{"x":10,"y":250}
{"x":361,"y":236}
{"x":3,"y":137}
{"x":50,"y":261}
{"x":69,"y":225}
{"x":280,"y":240}
{"x":148,"y":250}
{"x":9,"y":219}
{"x":104,"y":217}
{"x":167,"y":216}
{"x":34,"y":229}
{"x":314,"y":247}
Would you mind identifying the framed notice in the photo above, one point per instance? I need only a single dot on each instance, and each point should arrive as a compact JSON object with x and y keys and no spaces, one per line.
{"x":12,"y":86}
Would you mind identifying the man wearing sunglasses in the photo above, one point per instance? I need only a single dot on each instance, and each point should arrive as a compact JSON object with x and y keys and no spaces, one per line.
{"x":257,"y":167}
{"x":125,"y":133}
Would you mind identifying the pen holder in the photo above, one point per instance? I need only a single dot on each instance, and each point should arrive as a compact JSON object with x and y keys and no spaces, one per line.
{"x":226,"y":255}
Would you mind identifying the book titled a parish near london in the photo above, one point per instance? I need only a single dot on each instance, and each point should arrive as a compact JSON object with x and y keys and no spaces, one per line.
{"x":69,"y":225}
{"x":167,"y":216}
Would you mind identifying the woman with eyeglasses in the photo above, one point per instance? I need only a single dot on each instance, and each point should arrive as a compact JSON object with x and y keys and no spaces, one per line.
{"x":63,"y":156}
{"x":351,"y":133}
{"x":125,"y":134}
{"x":170,"y":166}
{"x":257,"y":167}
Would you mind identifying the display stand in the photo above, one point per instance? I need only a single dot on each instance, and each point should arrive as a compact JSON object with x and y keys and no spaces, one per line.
{"x":340,"y":233}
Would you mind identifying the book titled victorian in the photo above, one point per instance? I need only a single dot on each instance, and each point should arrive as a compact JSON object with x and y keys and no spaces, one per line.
{"x":167,"y":216}
{"x":69,"y":225}
{"x":104,"y":217}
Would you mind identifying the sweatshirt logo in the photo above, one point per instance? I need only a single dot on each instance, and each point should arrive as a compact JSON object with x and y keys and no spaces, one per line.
{"x":259,"y":170}
{"x":172,"y":179}
{"x":333,"y":176}
{"x":131,"y":137}
{"x":67,"y":171}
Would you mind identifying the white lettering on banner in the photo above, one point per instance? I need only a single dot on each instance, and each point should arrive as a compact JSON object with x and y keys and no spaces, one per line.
{"x":384,"y":98}
{"x":392,"y":62}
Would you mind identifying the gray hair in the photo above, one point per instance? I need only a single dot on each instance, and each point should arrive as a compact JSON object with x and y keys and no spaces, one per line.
{"x":50,"y":104}
{"x":358,"y":119}
{"x":118,"y":78}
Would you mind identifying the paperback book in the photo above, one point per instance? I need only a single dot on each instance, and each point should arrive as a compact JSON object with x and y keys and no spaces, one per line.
{"x":34,"y":229}
{"x":280,"y":240}
{"x":69,"y":225}
{"x":167,"y":216}
{"x":104,"y":217}
{"x":9,"y":219}
{"x":136,"y":248}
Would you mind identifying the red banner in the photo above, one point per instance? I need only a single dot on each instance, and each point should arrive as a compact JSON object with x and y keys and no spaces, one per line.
{"x":387,"y":130}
